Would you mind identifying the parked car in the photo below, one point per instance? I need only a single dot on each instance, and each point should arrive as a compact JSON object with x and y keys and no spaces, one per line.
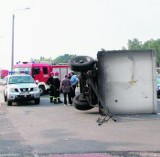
{"x":20,"y":87}
{"x":158,"y":85}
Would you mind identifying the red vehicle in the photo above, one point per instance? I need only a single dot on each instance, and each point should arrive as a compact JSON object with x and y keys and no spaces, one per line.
{"x":41,"y":72}
{"x":3,"y":73}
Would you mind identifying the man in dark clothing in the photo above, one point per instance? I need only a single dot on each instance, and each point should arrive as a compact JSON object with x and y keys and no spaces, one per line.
{"x":56,"y":83}
{"x":50,"y":82}
{"x":66,"y":89}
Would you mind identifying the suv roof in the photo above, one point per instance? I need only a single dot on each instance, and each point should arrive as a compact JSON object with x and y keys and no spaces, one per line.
{"x":18,"y":75}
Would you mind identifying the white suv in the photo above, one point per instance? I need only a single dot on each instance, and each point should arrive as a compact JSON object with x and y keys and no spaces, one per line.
{"x":20,"y":87}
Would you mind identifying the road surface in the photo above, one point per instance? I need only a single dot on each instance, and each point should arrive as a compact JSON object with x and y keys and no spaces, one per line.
{"x":55,"y":130}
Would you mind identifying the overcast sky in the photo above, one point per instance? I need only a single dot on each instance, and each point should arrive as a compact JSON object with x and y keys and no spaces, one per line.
{"x":82,"y":27}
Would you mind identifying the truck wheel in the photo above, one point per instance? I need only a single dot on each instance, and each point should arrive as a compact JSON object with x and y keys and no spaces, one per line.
{"x":82,"y":63}
{"x":42,"y":90}
{"x":37,"y":101}
{"x":9,"y":103}
{"x":80,"y":103}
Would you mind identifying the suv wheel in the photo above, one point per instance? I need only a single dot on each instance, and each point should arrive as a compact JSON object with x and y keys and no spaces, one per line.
{"x":9,"y":103}
{"x":5,"y":98}
{"x":37,"y":101}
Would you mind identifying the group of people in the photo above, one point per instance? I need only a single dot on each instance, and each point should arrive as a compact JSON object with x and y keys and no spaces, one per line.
{"x":67,"y":85}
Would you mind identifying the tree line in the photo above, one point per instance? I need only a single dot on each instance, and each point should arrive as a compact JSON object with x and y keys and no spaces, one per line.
{"x":152,"y":44}
{"x":133,"y":44}
{"x":60,"y":59}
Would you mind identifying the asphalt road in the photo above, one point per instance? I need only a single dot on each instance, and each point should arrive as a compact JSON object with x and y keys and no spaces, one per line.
{"x":55,"y":130}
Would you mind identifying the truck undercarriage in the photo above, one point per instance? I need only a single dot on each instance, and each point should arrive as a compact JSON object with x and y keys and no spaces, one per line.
{"x":89,"y":96}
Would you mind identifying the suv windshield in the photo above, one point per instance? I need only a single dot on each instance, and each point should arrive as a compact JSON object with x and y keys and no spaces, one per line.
{"x":20,"y":79}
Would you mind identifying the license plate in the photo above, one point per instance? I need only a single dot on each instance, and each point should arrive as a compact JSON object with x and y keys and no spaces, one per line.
{"x":24,"y":93}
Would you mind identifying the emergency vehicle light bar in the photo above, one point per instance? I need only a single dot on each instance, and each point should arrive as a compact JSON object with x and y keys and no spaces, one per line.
{"x":20,"y":72}
{"x":11,"y":72}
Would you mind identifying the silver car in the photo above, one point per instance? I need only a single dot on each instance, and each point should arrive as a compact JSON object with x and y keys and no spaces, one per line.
{"x":20,"y":87}
{"x":158,"y":85}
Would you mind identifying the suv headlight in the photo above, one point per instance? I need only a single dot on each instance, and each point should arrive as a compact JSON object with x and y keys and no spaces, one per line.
{"x":12,"y":90}
{"x":35,"y":89}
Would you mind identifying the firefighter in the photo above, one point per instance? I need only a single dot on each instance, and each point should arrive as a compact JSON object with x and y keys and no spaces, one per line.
{"x":56,"y":97}
{"x":50,"y":82}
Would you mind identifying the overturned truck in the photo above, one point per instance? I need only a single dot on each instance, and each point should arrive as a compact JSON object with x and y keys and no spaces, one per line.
{"x":117,"y":82}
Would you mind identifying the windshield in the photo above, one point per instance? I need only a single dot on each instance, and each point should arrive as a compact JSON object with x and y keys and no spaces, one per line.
{"x":22,"y":70}
{"x":20,"y":79}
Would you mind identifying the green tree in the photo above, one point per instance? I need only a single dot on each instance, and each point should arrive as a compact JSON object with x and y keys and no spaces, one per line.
{"x":154,"y":45}
{"x":135,"y":44}
{"x":60,"y":59}
{"x":64,"y":58}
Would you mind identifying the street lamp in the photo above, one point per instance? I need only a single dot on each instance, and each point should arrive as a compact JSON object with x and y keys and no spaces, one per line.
{"x":13,"y":17}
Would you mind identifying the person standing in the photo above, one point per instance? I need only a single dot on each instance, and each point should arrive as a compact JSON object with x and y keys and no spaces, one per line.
{"x":56,"y":82}
{"x":74,"y":81}
{"x":66,"y":89}
{"x":50,"y":82}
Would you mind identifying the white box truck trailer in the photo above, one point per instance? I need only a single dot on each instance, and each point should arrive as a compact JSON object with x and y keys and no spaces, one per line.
{"x":119,"y":82}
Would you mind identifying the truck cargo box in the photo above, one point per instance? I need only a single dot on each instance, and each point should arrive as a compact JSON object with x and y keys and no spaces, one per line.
{"x":126,"y":81}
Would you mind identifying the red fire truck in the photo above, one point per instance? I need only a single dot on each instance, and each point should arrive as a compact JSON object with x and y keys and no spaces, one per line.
{"x":3,"y":73}
{"x":41,"y":72}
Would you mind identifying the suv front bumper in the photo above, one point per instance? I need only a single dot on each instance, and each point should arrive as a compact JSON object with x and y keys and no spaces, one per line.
{"x":27,"y":96}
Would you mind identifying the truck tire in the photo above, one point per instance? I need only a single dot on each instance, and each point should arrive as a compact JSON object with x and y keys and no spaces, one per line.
{"x":81,"y":103}
{"x":42,"y":90}
{"x":82,"y":63}
{"x":37,"y":101}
